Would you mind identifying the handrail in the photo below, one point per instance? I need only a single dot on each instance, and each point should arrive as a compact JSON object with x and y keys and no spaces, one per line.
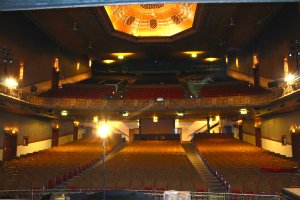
{"x":198,"y":130}
{"x":138,"y":104}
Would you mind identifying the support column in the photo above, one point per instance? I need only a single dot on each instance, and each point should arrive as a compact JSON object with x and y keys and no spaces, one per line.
{"x":75,"y":133}
{"x":256,"y":76}
{"x":55,"y":79}
{"x":240,"y":132}
{"x":208,"y":125}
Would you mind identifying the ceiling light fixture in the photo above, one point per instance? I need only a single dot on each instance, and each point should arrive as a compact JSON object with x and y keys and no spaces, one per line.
{"x":243,"y":111}
{"x":108,"y":61}
{"x":122,"y":55}
{"x":64,"y":113}
{"x":193,"y":54}
{"x":211,"y":59}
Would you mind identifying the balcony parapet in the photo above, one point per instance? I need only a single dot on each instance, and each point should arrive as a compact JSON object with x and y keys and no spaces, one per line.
{"x":138,"y":104}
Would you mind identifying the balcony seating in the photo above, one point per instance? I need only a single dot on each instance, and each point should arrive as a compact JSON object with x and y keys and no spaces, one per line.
{"x":81,"y":91}
{"x":154,"y":92}
{"x":229,"y":89}
{"x":239,"y":164}
{"x":51,"y":167}
{"x":145,"y":165}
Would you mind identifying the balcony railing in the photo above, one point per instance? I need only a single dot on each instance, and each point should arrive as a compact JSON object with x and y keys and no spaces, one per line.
{"x":139,"y":104}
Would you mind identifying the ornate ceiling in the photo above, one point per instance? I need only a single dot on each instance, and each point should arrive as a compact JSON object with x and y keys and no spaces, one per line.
{"x":152,"y":20}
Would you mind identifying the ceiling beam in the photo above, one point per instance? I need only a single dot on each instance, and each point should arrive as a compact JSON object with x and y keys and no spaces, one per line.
{"x":11,"y":5}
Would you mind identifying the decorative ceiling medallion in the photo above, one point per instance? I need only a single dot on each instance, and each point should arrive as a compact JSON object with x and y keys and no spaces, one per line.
{"x":152,"y":6}
{"x":152,"y":20}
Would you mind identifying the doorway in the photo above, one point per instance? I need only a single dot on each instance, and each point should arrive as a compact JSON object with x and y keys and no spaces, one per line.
{"x":258,"y":137}
{"x":296,"y":146}
{"x":10,"y":146}
{"x":54,"y":137}
{"x":75,"y":133}
{"x":241,"y":132}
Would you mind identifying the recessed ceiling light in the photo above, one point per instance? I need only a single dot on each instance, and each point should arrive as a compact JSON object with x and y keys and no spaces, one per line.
{"x":120,"y":57}
{"x":211,"y":59}
{"x":108,"y":61}
{"x":194,"y":55}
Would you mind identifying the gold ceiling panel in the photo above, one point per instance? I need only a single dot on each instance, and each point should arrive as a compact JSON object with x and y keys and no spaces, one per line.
{"x":152,"y":20}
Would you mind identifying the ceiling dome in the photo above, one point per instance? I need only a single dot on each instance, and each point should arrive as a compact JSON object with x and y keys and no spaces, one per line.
{"x":152,"y":20}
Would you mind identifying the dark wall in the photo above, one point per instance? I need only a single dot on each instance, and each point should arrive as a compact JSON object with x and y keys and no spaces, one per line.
{"x":274,"y":127}
{"x":272,"y":45}
{"x":35,"y":49}
{"x":163,"y":126}
{"x":36,"y":128}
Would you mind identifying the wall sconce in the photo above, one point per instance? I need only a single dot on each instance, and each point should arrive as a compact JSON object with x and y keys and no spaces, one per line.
{"x":11,"y":130}
{"x":55,"y":126}
{"x":155,"y":119}
{"x":76,"y":123}
{"x":243,"y":111}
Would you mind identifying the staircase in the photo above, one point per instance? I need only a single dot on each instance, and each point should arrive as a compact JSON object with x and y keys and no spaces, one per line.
{"x":213,"y":183}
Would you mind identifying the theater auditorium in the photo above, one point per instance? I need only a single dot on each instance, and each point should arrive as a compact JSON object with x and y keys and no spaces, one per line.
{"x":137,"y":100}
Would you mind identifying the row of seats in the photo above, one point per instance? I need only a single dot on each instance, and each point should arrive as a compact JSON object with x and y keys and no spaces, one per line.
{"x":51,"y":167}
{"x":229,"y":89}
{"x":92,"y":92}
{"x":166,"y":92}
{"x":238,"y":165}
{"x":145,"y":165}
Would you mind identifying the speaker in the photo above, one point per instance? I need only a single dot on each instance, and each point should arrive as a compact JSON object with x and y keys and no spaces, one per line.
{"x":273,"y":84}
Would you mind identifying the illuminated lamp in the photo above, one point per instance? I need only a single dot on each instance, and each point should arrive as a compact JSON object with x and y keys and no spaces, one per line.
{"x":155,"y":119}
{"x":103,"y":130}
{"x":125,"y":114}
{"x":95,"y":119}
{"x":255,"y":61}
{"x":121,"y":56}
{"x":56,"y":66}
{"x":193,"y":54}
{"x":11,"y":83}
{"x":108,"y":61}
{"x":211,"y":59}
{"x":180,"y":113}
{"x":289,"y":78}
{"x":21,"y":72}
{"x":237,"y":62}
{"x":78,"y":66}
{"x":226,"y":59}
{"x":11,"y":130}
{"x":90,"y":62}
{"x":243,"y":111}
{"x":64,"y":113}
{"x":76,"y":123}
{"x":239,"y":121}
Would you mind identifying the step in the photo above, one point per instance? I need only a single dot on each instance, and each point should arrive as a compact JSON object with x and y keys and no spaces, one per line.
{"x":208,"y":177}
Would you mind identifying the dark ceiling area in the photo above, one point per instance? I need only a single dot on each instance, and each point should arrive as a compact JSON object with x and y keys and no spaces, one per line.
{"x":222,"y":28}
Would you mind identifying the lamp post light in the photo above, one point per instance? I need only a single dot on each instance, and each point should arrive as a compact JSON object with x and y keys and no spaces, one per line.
{"x":103,"y":131}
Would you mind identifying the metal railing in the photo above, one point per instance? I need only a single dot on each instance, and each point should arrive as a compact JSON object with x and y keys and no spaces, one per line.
{"x":141,"y":104}
{"x":149,"y":194}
